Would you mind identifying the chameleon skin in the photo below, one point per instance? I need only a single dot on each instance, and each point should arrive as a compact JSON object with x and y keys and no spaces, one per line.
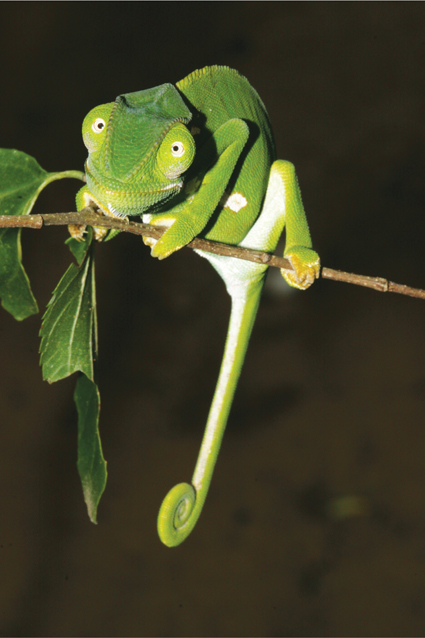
{"x":199,"y":158}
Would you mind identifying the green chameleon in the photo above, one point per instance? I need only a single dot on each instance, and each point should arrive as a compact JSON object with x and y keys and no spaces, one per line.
{"x":199,"y":158}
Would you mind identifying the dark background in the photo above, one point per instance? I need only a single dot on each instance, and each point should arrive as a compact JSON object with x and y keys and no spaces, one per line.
{"x":331,"y":400}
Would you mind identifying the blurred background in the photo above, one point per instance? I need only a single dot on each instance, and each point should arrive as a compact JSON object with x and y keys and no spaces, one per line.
{"x":315,"y":521}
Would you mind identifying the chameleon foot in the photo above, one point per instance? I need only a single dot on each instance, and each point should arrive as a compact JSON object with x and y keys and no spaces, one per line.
{"x":306,"y":265}
{"x":77,"y":231}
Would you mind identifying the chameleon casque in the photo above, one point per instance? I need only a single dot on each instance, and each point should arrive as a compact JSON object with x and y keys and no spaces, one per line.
{"x":199,"y":158}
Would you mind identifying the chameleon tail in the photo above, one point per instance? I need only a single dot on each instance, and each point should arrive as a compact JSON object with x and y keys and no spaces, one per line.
{"x":183,"y":504}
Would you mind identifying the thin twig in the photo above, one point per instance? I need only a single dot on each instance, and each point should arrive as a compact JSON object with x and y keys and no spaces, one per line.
{"x":89,"y":217}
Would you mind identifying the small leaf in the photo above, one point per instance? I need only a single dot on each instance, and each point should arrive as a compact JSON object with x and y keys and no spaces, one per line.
{"x":21,"y":180}
{"x":78,"y":248}
{"x":91,"y":464}
{"x":69,"y":337}
{"x":69,"y":323}
{"x":15,"y":292}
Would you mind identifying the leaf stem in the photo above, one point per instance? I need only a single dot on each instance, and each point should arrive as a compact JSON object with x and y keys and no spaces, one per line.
{"x":73,"y":174}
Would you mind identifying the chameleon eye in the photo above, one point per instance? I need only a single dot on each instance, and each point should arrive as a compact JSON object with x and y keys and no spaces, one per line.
{"x":94,"y":124}
{"x":176,"y":152}
{"x":98,"y":125}
{"x":177,"y":149}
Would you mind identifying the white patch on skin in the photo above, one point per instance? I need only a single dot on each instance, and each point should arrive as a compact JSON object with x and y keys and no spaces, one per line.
{"x":87,"y":199}
{"x":116,"y":213}
{"x":163,"y":222}
{"x":169,"y":186}
{"x":148,"y":218}
{"x":235,"y":202}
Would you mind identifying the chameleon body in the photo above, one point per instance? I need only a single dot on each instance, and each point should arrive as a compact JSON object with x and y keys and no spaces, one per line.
{"x":199,"y":158}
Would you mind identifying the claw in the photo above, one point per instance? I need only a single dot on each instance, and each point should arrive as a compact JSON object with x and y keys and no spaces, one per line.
{"x":306,"y":267}
{"x":77,"y":231}
{"x":99,"y":233}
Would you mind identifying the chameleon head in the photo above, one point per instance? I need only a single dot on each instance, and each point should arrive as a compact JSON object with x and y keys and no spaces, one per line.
{"x":139,"y":148}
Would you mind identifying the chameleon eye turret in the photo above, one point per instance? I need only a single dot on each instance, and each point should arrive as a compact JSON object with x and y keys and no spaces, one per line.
{"x":94,"y":127}
{"x":176,"y":152}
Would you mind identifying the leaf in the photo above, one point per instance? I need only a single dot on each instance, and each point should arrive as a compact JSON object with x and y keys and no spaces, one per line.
{"x":15,"y":291}
{"x":69,"y":338}
{"x":91,"y":464}
{"x":78,"y":248}
{"x":21,"y":180}
{"x":68,"y":331}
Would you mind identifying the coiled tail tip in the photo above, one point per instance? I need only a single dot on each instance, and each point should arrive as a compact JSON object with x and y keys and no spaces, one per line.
{"x":177,"y":516}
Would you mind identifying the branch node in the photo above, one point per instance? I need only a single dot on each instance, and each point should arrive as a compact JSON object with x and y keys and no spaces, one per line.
{"x":265,"y":258}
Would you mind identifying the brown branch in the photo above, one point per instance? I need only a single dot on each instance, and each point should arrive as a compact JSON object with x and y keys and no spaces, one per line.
{"x":89,"y":217}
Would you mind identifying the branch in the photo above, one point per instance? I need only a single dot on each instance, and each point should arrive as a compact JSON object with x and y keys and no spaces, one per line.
{"x":89,"y":217}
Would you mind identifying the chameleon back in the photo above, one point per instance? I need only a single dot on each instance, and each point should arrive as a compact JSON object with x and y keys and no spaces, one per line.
{"x":215,"y":95}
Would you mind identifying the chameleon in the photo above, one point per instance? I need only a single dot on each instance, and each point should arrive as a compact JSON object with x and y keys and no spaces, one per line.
{"x":199,"y":158}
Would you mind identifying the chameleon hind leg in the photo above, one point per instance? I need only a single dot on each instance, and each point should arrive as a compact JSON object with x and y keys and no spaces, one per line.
{"x":244,"y":281}
{"x":283,"y":207}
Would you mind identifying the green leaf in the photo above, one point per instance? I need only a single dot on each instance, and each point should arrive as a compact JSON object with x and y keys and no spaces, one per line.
{"x":15,"y":291}
{"x":91,"y":464}
{"x":69,"y":339}
{"x":68,"y":332}
{"x":21,"y":180}
{"x":78,"y":248}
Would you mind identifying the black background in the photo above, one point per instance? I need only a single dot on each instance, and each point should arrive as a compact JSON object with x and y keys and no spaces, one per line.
{"x":331,"y":400}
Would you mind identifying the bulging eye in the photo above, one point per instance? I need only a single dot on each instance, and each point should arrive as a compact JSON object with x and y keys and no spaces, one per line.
{"x":98,"y":125}
{"x":95,"y":125}
{"x":177,"y":149}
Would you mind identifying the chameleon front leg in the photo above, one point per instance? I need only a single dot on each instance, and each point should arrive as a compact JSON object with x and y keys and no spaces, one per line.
{"x":221,"y":152}
{"x":77,"y":231}
{"x":183,"y":504}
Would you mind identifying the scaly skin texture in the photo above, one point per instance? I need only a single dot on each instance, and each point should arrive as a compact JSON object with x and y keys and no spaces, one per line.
{"x":200,"y":159}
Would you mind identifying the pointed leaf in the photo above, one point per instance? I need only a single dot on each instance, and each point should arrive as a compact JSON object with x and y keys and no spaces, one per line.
{"x":69,"y":337}
{"x":69,"y":323}
{"x":91,"y":464}
{"x":15,"y":291}
{"x":78,"y":248}
{"x":21,"y":180}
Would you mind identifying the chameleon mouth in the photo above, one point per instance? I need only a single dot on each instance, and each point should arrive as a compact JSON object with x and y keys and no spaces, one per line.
{"x":114,"y":187}
{"x":170,"y":186}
